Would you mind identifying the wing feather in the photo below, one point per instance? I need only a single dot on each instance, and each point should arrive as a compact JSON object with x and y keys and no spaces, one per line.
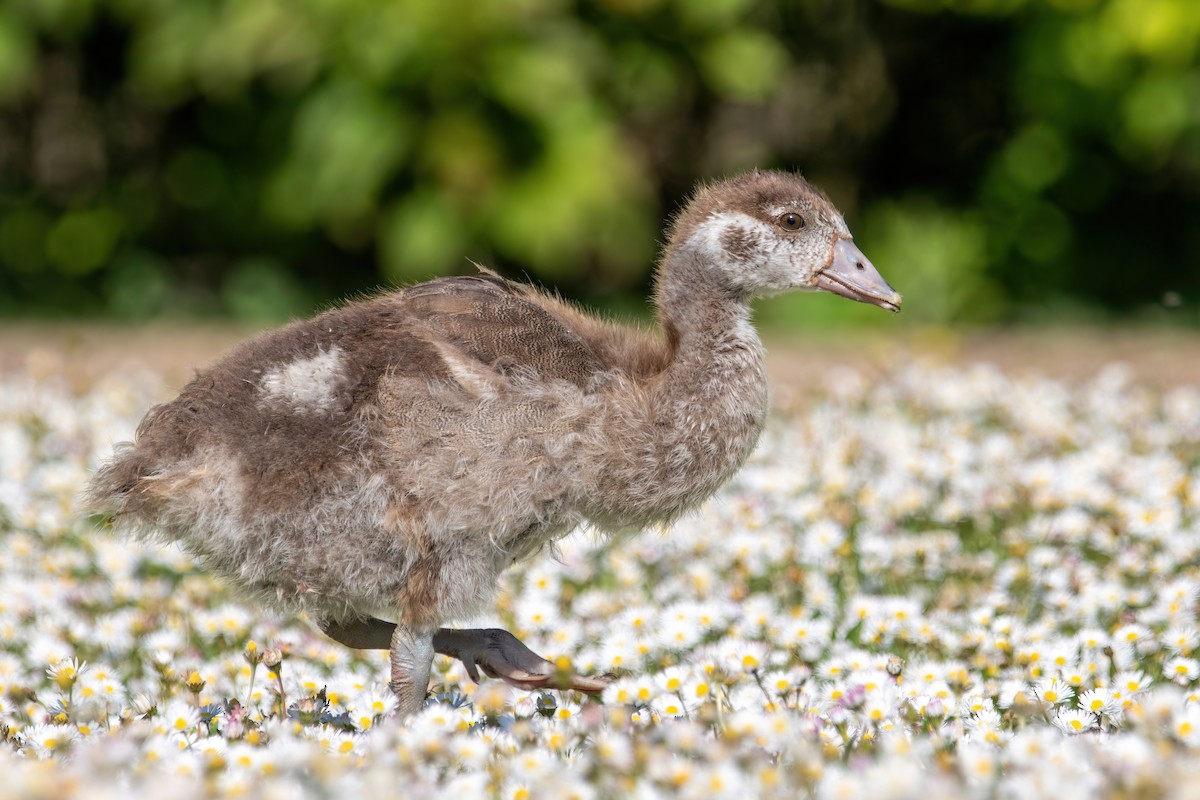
{"x":500,"y":324}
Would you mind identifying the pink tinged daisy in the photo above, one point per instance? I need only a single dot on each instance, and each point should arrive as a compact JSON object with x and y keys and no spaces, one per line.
{"x":929,"y":707}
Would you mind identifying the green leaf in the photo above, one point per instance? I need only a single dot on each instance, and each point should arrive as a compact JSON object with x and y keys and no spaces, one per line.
{"x":16,"y":57}
{"x":82,"y":241}
{"x":745,"y":64}
{"x":420,"y":237}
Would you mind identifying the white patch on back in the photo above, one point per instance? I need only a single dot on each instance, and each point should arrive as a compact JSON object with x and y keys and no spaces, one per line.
{"x":307,"y":385}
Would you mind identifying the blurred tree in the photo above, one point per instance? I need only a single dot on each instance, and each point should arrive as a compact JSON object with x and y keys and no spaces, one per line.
{"x":1071,"y":133}
{"x":259,"y":158}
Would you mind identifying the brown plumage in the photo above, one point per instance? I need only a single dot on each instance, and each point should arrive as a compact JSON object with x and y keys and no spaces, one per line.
{"x":388,"y":459}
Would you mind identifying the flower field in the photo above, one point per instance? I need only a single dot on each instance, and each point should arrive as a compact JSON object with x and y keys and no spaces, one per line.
{"x":929,"y":582}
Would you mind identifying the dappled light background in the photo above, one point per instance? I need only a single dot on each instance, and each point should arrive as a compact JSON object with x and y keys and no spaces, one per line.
{"x":999,"y":160}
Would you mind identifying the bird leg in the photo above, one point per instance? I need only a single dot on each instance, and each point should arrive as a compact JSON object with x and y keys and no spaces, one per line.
{"x":411,"y":657}
{"x":501,"y":655}
{"x":361,"y":634}
{"x":497,"y":652}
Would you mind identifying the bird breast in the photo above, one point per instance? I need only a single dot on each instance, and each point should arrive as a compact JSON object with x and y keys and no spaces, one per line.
{"x":670,"y":445}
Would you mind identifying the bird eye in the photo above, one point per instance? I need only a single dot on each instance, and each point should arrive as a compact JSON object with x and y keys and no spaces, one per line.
{"x":791,"y":222}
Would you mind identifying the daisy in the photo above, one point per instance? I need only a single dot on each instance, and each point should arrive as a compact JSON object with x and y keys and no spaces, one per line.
{"x":808,"y":636}
{"x":538,"y":613}
{"x":1185,"y":725}
{"x":679,"y":634}
{"x":1074,"y":721}
{"x":1128,"y":684}
{"x":987,"y":727}
{"x":881,"y":705}
{"x":100,"y":685}
{"x":46,"y":741}
{"x":1054,"y":691}
{"x":973,"y":704}
{"x":1098,"y":701}
{"x":178,"y":717}
{"x":64,"y":673}
{"x":1182,"y":640}
{"x":1181,"y":670}
{"x":1132,"y":634}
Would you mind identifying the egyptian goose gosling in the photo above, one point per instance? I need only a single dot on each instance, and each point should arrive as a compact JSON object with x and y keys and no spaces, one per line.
{"x":388,"y":459}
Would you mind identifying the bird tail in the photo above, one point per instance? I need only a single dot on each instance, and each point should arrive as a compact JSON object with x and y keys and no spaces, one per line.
{"x":112,"y":493}
{"x":117,"y":489}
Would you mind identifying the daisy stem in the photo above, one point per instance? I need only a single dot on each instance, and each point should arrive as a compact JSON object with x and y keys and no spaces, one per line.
{"x":763,"y":689}
{"x":250,"y":687}
{"x":683,"y":704}
{"x":282,"y":695}
{"x":1044,"y":706}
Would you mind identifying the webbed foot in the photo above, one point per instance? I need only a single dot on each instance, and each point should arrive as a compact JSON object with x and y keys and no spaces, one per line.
{"x":499,"y":654}
{"x":496,"y":652}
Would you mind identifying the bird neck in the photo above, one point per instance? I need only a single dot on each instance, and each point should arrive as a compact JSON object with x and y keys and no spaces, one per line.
{"x":712,"y":398}
{"x":713,"y":345}
{"x":678,"y":436}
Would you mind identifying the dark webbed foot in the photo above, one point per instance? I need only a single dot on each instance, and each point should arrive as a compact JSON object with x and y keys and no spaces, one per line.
{"x":496,"y":652}
{"x":501,"y":655}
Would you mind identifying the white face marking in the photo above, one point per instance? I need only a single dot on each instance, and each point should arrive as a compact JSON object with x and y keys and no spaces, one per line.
{"x":713,"y":239}
{"x":758,"y":258}
{"x":307,"y":385}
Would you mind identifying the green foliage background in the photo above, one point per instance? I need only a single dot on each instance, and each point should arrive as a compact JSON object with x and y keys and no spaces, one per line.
{"x":999,"y":160}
